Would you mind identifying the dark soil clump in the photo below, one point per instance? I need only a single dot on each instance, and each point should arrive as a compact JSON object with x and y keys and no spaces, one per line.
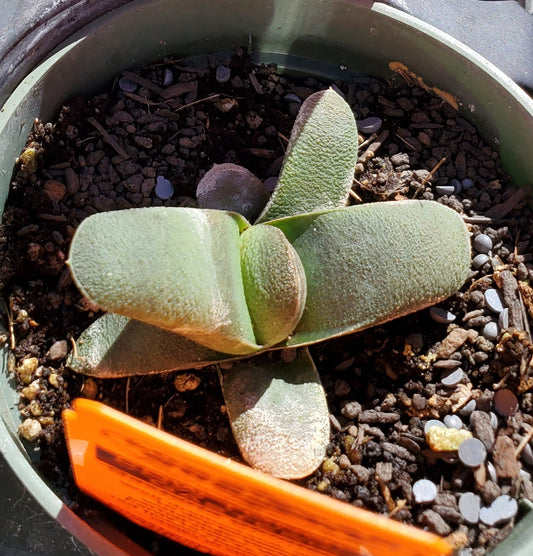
{"x":384,"y":385}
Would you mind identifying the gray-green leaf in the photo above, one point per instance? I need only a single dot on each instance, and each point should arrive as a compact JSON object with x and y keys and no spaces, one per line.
{"x":175,"y":268}
{"x":319,"y":164}
{"x":278,"y":413}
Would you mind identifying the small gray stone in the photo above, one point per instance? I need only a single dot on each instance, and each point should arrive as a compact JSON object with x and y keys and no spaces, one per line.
{"x":168,"y":76}
{"x":127,"y":85}
{"x":482,"y":243}
{"x":433,"y":423}
{"x":164,"y":188}
{"x":438,"y":314}
{"x":452,"y":377}
{"x":270,"y":183}
{"x":369,"y":125}
{"x":467,"y":409}
{"x":503,"y":319}
{"x":502,"y":509}
{"x":494,"y":420}
{"x":467,"y":183}
{"x":469,"y":506}
{"x":223,"y":74}
{"x":292,"y":97}
{"x":424,"y":491}
{"x":479,"y":260}
{"x":490,"y":331}
{"x":453,"y":421}
{"x":527,"y":455}
{"x":456,"y":185}
{"x":491,"y":472}
{"x":444,"y":189}
{"x":494,"y":300}
{"x":472,"y":452}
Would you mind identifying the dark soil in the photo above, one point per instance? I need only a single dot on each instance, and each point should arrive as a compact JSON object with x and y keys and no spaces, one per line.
{"x":383,"y":385}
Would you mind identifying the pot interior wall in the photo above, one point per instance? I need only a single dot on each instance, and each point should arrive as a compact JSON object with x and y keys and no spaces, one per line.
{"x":334,"y":39}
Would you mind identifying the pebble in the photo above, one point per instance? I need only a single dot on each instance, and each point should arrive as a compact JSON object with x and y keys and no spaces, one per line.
{"x":505,"y":402}
{"x":479,"y":260}
{"x":164,"y":188}
{"x":168,"y":76}
{"x":490,"y":330}
{"x":494,"y":420}
{"x":127,"y":85}
{"x":456,"y":184}
{"x":503,"y":319}
{"x":502,"y":509}
{"x":444,"y":189}
{"x":424,"y":491}
{"x":58,"y":350}
{"x":369,"y":125}
{"x":472,"y":452}
{"x":223,"y":74}
{"x":433,"y":423}
{"x":270,"y":183}
{"x":467,"y":183}
{"x":482,"y":243}
{"x":453,"y":421}
{"x":292,"y":97}
{"x":469,"y":506}
{"x":494,"y":300}
{"x":526,"y":455}
{"x":467,"y":409}
{"x":452,"y":377}
{"x":438,"y":314}
{"x":491,"y":471}
{"x":443,"y":439}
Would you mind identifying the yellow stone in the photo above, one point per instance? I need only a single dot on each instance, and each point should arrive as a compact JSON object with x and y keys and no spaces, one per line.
{"x":443,"y":439}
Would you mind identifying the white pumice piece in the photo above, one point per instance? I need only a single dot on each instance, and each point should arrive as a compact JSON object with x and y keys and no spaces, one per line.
{"x":494,"y":300}
{"x":453,"y":421}
{"x":472,"y":452}
{"x":439,"y":314}
{"x":502,"y":509}
{"x":470,"y":506}
{"x":424,"y":491}
{"x":433,"y":423}
{"x":452,"y":377}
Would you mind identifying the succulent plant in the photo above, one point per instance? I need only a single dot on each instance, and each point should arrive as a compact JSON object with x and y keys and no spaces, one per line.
{"x":191,"y":287}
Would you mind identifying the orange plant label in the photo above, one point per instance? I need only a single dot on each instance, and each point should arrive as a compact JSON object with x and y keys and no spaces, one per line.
{"x":217,"y":505}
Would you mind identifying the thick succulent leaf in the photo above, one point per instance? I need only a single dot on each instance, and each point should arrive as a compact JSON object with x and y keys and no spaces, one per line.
{"x":176,"y":268}
{"x":319,"y":164}
{"x":278,"y":413}
{"x":232,"y":187}
{"x":114,"y":346}
{"x":274,"y":283}
{"x":368,"y":264}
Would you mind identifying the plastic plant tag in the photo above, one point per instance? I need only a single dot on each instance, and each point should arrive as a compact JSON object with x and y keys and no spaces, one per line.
{"x":216,"y":505}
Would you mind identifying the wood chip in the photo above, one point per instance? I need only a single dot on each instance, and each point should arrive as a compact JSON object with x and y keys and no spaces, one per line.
{"x":141,"y":81}
{"x":504,"y":457}
{"x":179,"y":89}
{"x":107,"y":138}
{"x":517,"y":200}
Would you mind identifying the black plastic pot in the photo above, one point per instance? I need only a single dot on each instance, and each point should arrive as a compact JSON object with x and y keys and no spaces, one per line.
{"x":334,"y":39}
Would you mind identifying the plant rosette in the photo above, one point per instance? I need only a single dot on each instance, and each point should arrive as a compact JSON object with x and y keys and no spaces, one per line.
{"x":189,"y":287}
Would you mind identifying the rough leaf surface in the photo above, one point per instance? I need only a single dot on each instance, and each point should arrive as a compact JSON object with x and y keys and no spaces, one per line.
{"x":319,"y":164}
{"x":278,"y":413}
